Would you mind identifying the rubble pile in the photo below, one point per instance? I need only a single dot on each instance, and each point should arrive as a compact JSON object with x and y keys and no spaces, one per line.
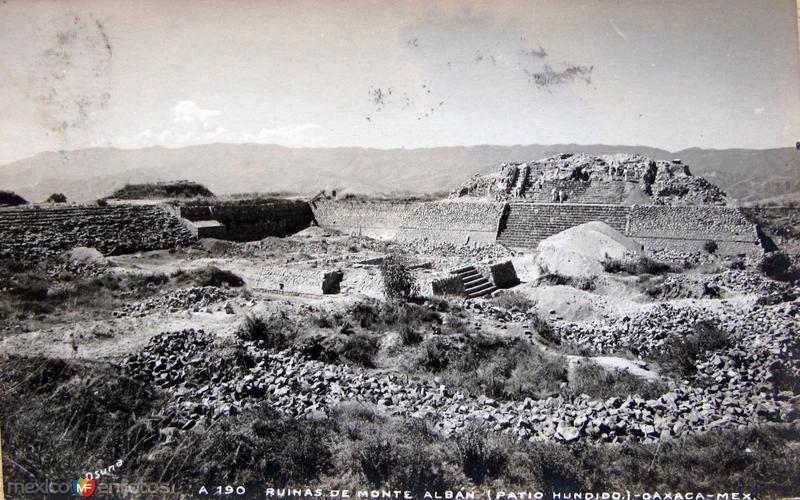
{"x":743,"y":385}
{"x":586,"y":178}
{"x":718,"y":285}
{"x":193,"y":299}
{"x":469,"y":253}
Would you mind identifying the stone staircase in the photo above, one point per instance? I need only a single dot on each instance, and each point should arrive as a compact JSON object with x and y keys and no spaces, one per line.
{"x":475,"y":284}
{"x":595,"y":192}
{"x":526,"y":224}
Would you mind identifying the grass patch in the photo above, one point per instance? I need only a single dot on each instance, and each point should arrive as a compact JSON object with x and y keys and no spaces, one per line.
{"x":508,"y":369}
{"x":778,"y":266}
{"x":271,"y":332}
{"x":208,"y":276}
{"x":682,"y":353}
{"x":581,"y":283}
{"x":60,"y":419}
{"x":593,"y":380}
{"x":635,"y":265}
{"x":513,"y":301}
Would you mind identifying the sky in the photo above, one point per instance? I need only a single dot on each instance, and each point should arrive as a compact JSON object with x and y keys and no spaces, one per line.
{"x":670,"y":73}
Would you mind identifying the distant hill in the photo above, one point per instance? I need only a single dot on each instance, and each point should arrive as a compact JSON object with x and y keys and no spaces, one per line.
{"x":85,"y":174}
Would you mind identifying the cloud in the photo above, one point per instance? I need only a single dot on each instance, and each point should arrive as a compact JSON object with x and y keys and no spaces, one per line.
{"x":758,"y":111}
{"x":193,"y":125}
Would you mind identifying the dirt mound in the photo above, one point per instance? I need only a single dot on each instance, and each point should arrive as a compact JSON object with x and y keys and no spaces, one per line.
{"x":158,"y":190}
{"x":11,"y":199}
{"x":579,"y":251}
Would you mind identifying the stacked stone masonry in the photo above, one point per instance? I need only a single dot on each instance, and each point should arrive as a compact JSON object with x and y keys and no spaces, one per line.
{"x":454,"y":222}
{"x":37,"y":232}
{"x":300,"y":281}
{"x":377,"y":219}
{"x":526,"y":224}
{"x":252,"y":219}
{"x":655,"y":227}
{"x":687,"y":229}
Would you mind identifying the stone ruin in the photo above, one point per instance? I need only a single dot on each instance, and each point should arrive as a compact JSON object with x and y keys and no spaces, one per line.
{"x":659,"y":204}
{"x":583,"y":178}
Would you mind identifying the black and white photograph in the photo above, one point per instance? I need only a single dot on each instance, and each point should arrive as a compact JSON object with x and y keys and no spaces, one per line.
{"x":400,"y":250}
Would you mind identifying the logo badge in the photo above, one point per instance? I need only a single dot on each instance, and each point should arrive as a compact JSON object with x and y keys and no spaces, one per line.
{"x":83,"y":487}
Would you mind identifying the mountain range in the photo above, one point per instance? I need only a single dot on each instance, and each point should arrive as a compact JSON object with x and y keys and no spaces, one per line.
{"x":745,"y":174}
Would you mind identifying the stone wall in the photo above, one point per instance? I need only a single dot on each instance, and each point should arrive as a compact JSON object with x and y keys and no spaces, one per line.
{"x":526,"y":224}
{"x":686,"y":229}
{"x":376,"y":219}
{"x":446,"y":221}
{"x":500,"y":274}
{"x":683,"y":229}
{"x":35,"y":231}
{"x":453,"y":222}
{"x":300,"y":280}
{"x":251,"y":219}
{"x":206,"y":229}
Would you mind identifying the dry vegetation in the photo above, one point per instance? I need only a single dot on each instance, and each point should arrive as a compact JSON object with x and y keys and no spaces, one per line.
{"x":110,"y":415}
{"x":58,"y":415}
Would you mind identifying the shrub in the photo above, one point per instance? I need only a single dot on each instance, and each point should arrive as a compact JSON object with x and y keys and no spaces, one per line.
{"x":366,"y":313}
{"x":101,"y":202}
{"x":544,"y":329}
{"x":247,"y":449}
{"x":391,"y":453}
{"x":360,"y":349}
{"x":399,"y":283}
{"x":270,"y":333}
{"x":778,"y":266}
{"x":511,"y":369}
{"x":581,"y":283}
{"x":410,"y":335}
{"x":58,"y":417}
{"x":481,"y":457}
{"x":641,"y":264}
{"x":710,"y":246}
{"x":593,"y":380}
{"x":434,"y":355}
{"x":142,"y":282}
{"x":208,"y":276}
{"x":56,"y":198}
{"x":683,"y":353}
{"x":513,"y":300}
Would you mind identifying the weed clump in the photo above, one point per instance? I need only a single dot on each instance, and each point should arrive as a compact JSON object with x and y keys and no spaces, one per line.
{"x":778,"y":266}
{"x":399,"y":283}
{"x":513,"y":300}
{"x":582,"y":283}
{"x":593,"y":380}
{"x":682,"y":353}
{"x":635,"y":265}
{"x":270,"y":333}
{"x":208,"y":276}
